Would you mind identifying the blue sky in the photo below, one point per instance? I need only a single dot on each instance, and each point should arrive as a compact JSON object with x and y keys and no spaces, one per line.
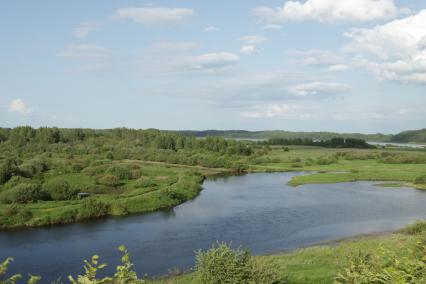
{"x":347,"y":66}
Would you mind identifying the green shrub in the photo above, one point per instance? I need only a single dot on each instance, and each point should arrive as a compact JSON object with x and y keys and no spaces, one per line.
{"x":108,"y":180}
{"x":34,"y":167}
{"x":16,"y":213}
{"x":92,"y":208}
{"x":7,"y":170}
{"x":28,"y":192}
{"x":59,"y":189}
{"x":416,"y":228}
{"x":420,"y":180}
{"x":221,"y":264}
{"x":326,"y":160}
{"x":120,"y":172}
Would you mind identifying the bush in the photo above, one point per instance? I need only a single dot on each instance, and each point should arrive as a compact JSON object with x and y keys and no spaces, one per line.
{"x":7,"y":170}
{"x":109,"y":180}
{"x":28,"y":192}
{"x":92,"y":208}
{"x":221,"y":264}
{"x":120,"y":172}
{"x":420,"y":180}
{"x":17,"y":214}
{"x":59,"y":189}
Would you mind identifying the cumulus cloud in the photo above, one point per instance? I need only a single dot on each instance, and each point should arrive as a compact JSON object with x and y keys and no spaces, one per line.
{"x":328,"y":11}
{"x":210,"y":29}
{"x":83,"y":51}
{"x":155,"y":15}
{"x":248,"y":49}
{"x":85,"y":28}
{"x":315,"y":88}
{"x":395,"y":51}
{"x":18,"y":106}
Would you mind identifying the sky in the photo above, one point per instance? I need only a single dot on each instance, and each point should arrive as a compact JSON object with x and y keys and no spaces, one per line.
{"x":302,"y":65}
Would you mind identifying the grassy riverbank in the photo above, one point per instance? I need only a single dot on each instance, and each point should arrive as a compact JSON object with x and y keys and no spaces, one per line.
{"x":154,"y":187}
{"x":322,"y":264}
{"x":346,"y":165}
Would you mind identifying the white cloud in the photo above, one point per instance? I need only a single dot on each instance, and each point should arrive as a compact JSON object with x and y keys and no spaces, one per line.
{"x":395,"y":51}
{"x":18,"y":106}
{"x":155,"y":15}
{"x":210,"y":29}
{"x":290,"y":111}
{"x":83,"y":51}
{"x":315,"y":88}
{"x":213,"y":60}
{"x":328,"y":11}
{"x":182,"y":62}
{"x":250,"y":43}
{"x":337,"y":67}
{"x":85,"y":28}
{"x":253,"y":39}
{"x":272,"y":27}
{"x":167,"y":46}
{"x":319,"y":58}
{"x":249,"y":49}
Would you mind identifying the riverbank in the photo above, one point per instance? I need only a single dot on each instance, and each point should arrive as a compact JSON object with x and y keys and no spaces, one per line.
{"x":158,"y":186}
{"x":323,"y":263}
{"x":345,"y":165}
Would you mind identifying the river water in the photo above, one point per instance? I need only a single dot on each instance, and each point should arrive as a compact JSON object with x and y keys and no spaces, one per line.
{"x":257,"y":211}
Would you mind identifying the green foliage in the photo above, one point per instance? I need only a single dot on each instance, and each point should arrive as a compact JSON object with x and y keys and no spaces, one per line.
{"x":14,"y":278}
{"x":93,"y":208}
{"x":386,"y":267}
{"x":108,"y":180}
{"x":7,"y":169}
{"x":60,"y":189}
{"x":416,"y":228}
{"x":124,"y":273}
{"x":120,"y":172}
{"x":420,"y":180}
{"x":27,"y":192}
{"x":221,"y":265}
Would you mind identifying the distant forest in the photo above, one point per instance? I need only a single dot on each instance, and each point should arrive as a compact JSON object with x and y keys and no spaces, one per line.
{"x":415,"y":136}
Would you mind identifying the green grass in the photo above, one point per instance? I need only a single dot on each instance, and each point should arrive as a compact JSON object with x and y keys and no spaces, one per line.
{"x":342,"y":170}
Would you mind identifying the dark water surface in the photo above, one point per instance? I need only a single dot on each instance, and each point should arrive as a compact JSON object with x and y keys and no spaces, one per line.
{"x":258,"y":211}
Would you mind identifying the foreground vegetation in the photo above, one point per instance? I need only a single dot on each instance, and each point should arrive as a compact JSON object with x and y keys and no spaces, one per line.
{"x":386,"y":259}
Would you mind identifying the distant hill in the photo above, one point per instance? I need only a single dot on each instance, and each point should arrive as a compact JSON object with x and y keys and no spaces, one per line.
{"x":418,"y":136}
{"x":268,"y":134}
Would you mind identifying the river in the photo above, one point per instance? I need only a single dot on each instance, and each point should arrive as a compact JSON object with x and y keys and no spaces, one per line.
{"x":257,"y":211}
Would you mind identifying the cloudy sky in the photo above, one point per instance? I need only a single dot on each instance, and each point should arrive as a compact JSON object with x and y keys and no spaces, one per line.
{"x":348,"y":65}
